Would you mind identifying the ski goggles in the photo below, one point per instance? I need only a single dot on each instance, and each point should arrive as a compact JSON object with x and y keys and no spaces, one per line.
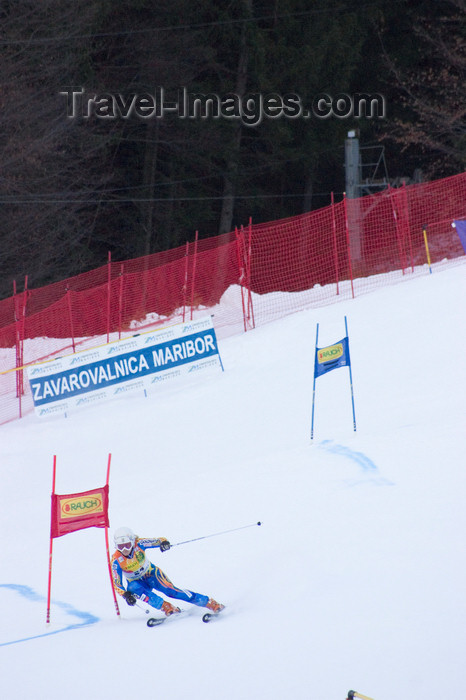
{"x":123,"y":546}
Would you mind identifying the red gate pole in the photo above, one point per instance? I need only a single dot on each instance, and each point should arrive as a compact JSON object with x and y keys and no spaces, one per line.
{"x":18,"y":364}
{"x":51,"y":541}
{"x":20,"y":319}
{"x":348,"y":243}
{"x":107,"y":547}
{"x":109,"y":291}
{"x":18,"y":348}
{"x":248,"y":267}
{"x":401,"y":252}
{"x":120,"y":300}
{"x":193,"y":280}
{"x":23,"y":323}
{"x":68,"y":299}
{"x":185,"y":285}
{"x":335,"y":249}
{"x":240,"y":270}
{"x":408,"y":224}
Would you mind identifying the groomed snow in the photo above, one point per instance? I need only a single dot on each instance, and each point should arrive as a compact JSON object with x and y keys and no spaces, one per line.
{"x":356,"y":578}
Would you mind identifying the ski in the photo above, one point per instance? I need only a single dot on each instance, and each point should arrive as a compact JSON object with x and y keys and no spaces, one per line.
{"x":155,"y":621}
{"x":208,"y":617}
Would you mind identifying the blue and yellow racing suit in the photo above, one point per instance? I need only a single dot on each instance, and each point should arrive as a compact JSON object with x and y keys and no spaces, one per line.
{"x":143,"y":577}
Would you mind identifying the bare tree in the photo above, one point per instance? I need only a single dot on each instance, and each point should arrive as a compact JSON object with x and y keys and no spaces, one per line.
{"x":434,"y":94}
{"x":49,"y":165}
{"x":232,"y":165}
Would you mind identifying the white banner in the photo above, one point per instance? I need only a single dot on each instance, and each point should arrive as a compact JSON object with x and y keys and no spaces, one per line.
{"x":140,"y":362}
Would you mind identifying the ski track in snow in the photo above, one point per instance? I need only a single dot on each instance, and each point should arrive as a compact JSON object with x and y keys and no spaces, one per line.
{"x":31,"y":595}
{"x":361,"y":460}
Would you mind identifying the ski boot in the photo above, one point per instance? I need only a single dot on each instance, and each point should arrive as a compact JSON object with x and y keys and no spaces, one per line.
{"x":169,"y":609}
{"x":214,"y":606}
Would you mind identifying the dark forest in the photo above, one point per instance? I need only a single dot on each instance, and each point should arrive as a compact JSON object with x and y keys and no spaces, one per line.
{"x":127,"y":126}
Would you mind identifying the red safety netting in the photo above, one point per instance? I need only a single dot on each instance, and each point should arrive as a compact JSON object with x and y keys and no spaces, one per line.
{"x":339,"y":251}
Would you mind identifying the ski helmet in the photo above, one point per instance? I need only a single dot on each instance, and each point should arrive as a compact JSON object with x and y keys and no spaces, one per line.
{"x":125,"y":540}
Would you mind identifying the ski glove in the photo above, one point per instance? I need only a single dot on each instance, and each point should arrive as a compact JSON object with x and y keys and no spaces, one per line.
{"x":129,"y":597}
{"x":164,"y":545}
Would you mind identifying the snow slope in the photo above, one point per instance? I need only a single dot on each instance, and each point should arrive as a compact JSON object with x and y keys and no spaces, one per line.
{"x":356,"y":578}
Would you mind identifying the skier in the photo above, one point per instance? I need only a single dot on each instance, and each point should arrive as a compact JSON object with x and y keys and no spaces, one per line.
{"x":143,"y":577}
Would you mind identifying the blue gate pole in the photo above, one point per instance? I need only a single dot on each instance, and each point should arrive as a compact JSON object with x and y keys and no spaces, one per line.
{"x":350,"y":375}
{"x":314,"y":386}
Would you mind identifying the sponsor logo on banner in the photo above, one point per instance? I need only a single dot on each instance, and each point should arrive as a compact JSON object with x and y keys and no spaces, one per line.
{"x":159,"y":337}
{"x":91,"y":399}
{"x":123,"y":347}
{"x":45,"y":368}
{"x":166,"y":375}
{"x":130,"y":364}
{"x":129,"y":387}
{"x":196,"y":326}
{"x":332,"y":352}
{"x":85,"y":357}
{"x":202,"y":365}
{"x":77,"y":506}
{"x":61,"y":408}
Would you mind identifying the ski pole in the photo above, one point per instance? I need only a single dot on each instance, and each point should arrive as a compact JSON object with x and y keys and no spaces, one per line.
{"x":353,"y":694}
{"x":215,"y":534}
{"x":146,"y":610}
